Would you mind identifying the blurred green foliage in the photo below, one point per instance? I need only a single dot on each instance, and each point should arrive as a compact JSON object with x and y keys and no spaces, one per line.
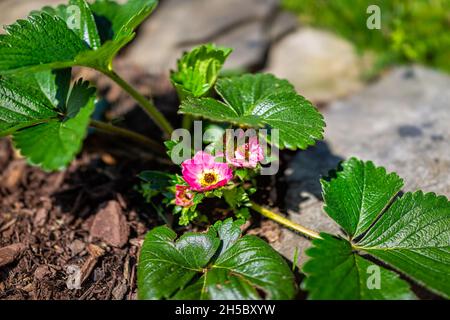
{"x":411,"y":30}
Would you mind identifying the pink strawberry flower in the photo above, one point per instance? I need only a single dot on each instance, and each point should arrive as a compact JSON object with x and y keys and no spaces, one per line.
{"x":183,"y":196}
{"x":247,"y":155}
{"x":203,"y":173}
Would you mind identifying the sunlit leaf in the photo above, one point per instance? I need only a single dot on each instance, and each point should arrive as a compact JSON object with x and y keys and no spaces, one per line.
{"x":261,"y":100}
{"x":212,"y":265}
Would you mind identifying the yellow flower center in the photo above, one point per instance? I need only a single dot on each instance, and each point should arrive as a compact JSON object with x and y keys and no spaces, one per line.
{"x":208,"y":178}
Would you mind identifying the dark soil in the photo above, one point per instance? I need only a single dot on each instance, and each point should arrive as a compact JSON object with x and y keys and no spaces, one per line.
{"x":50,"y":214}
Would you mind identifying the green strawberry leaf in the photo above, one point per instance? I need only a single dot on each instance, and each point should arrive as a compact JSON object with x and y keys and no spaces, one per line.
{"x":154,"y":183}
{"x":48,"y":123}
{"x":165,"y":265}
{"x":88,"y":28}
{"x":39,"y":43}
{"x":81,"y":95}
{"x":261,"y":100}
{"x":55,"y":84}
{"x":53,"y":144}
{"x":102,"y":58}
{"x":413,"y":236}
{"x":212,"y":265}
{"x":54,"y":38}
{"x":410,"y":233}
{"x":236,"y":197}
{"x":359,"y":194}
{"x":22,"y":104}
{"x":198,"y":70}
{"x":123,"y":19}
{"x":80,"y":19}
{"x":336,"y":272}
{"x":116,"y":24}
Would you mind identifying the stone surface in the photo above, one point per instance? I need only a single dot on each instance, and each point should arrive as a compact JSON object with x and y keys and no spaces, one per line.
{"x":110,"y":225}
{"x":178,"y":25}
{"x":282,"y":24}
{"x":319,"y":64}
{"x":401,"y":123}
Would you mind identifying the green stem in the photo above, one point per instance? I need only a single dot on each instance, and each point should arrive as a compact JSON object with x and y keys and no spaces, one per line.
{"x":131,"y":135}
{"x":149,"y":107}
{"x":285,"y":222}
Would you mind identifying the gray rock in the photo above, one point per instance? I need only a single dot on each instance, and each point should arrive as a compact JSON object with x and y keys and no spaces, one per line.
{"x":319,"y":64}
{"x":282,"y":24}
{"x":249,"y":43}
{"x":401,"y":123}
{"x":178,"y":25}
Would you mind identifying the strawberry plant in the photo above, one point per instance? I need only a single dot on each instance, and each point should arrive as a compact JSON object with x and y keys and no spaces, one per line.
{"x":218,"y":264}
{"x":248,"y":118}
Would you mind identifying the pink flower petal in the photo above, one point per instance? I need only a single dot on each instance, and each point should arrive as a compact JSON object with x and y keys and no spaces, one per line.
{"x":204,"y":163}
{"x":247,"y":155}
